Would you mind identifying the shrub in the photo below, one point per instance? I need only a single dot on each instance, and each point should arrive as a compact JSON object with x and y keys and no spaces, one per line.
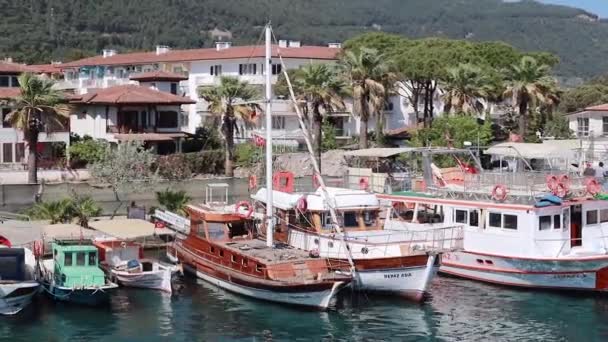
{"x":328,"y":141}
{"x":174,"y":167}
{"x":205,"y":162}
{"x":174,"y":201}
{"x":86,"y":151}
{"x":247,"y":155}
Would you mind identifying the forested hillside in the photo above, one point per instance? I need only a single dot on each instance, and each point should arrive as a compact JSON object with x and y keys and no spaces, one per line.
{"x":44,"y":30}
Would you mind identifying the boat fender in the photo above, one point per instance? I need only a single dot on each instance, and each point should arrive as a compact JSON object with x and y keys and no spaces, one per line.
{"x":5,"y":242}
{"x":302,"y":204}
{"x":253,"y":182}
{"x":593,"y":187}
{"x":363,"y":183}
{"x":315,"y":181}
{"x":38,"y":248}
{"x":499,"y":193}
{"x":245,"y":204}
{"x":552,"y":182}
{"x":560,"y":190}
{"x":566,"y":181}
{"x":314,"y":253}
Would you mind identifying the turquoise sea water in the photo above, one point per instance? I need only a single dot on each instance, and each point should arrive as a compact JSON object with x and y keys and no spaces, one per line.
{"x":458,"y":310}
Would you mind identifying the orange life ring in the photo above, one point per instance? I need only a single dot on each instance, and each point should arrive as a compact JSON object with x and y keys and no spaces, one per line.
{"x":565,"y":181}
{"x":283,"y":181}
{"x":560,"y":190}
{"x":253,"y":182}
{"x":593,"y":187}
{"x":499,"y":192}
{"x":363,"y":183}
{"x":552,"y":182}
{"x":38,"y":248}
{"x":302,"y":204}
{"x":245,"y":204}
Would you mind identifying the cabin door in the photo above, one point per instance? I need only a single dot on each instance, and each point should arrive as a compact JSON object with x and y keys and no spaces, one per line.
{"x":576,"y":224}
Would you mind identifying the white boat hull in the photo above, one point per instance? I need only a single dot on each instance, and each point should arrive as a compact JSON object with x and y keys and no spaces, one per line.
{"x":317,"y":299}
{"x":583,"y":274}
{"x":157,"y":280}
{"x":16,"y":296}
{"x":409,"y":282}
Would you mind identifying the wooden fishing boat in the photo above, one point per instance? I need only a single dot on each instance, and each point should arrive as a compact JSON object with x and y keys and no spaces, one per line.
{"x":17,"y":278}
{"x":223,"y":249}
{"x":73,"y":274}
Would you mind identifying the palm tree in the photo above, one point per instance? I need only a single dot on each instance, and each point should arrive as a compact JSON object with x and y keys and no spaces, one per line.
{"x":54,"y":211}
{"x":38,"y":108}
{"x":231,"y":100}
{"x":464,"y":87}
{"x":528,"y":83}
{"x":365,"y":71}
{"x":174,"y":201}
{"x":83,"y":208}
{"x":320,"y":92}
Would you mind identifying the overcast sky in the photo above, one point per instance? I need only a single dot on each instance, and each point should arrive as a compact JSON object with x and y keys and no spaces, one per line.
{"x":599,"y":7}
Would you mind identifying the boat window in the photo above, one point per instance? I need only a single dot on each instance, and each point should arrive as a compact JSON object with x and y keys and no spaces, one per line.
{"x":566,"y":218}
{"x":350,"y":219}
{"x":67,"y":259}
{"x":591,"y":217}
{"x":369,"y":217}
{"x":244,"y":262}
{"x":237,"y":229}
{"x":474,"y":218}
{"x":258,"y":268}
{"x":557,"y":222}
{"x":544,"y":222}
{"x":460,"y":216}
{"x":80,"y":256}
{"x":92,"y":259}
{"x":510,"y":221}
{"x":495,"y":220}
{"x":233,"y":258}
{"x":216,"y":230}
{"x":603,"y":215}
{"x":221,"y":252}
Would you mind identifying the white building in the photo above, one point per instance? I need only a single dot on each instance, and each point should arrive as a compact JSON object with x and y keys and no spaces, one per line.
{"x":591,"y":127}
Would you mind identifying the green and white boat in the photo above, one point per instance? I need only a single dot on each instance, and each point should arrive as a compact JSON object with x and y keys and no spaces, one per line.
{"x":73,"y":274}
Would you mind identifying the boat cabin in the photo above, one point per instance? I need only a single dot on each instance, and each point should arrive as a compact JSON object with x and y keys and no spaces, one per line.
{"x":572,"y":227}
{"x":76,"y":264}
{"x":12,"y":265}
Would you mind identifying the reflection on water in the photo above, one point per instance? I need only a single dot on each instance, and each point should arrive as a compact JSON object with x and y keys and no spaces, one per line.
{"x":458,"y":310}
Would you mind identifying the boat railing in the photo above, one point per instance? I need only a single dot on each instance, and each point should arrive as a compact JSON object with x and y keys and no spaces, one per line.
{"x":566,"y":241}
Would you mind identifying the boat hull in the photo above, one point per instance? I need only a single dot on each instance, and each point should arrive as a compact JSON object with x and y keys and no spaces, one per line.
{"x":156,"y":280}
{"x":16,"y":296}
{"x":581,"y":274}
{"x":408,"y":277}
{"x":83,"y":296}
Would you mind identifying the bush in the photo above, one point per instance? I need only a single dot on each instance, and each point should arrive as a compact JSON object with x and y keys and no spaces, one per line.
{"x":205,"y":162}
{"x":247,"y":155}
{"x":86,"y":151}
{"x":205,"y":138}
{"x":328,"y":140}
{"x":174,"y":167}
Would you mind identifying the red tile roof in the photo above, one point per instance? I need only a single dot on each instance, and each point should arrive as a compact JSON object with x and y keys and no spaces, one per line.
{"x":46,"y":68}
{"x":304,"y":52}
{"x":598,"y":108}
{"x":9,"y":93}
{"x":148,"y":136}
{"x":14,"y":68}
{"x":130,"y":94}
{"x":158,"y":75}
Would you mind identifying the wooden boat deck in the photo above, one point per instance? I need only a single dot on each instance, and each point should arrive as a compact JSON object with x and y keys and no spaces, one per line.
{"x":257,"y":249}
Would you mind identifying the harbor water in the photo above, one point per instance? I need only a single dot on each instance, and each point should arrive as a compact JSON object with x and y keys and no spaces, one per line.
{"x":457,"y":310}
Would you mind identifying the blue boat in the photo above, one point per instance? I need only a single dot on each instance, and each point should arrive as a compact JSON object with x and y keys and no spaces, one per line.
{"x":73,"y":274}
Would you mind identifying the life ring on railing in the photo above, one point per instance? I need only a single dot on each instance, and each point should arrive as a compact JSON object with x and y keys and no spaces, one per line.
{"x":38,"y":248}
{"x":560,"y":190}
{"x":253,"y":182}
{"x":6,"y":242}
{"x":159,"y":224}
{"x":363,"y":183}
{"x":593,"y":186}
{"x":302,"y":204}
{"x":552,"y":182}
{"x":565,"y":181}
{"x":245,"y":204}
{"x":316,"y":183}
{"x":499,"y":192}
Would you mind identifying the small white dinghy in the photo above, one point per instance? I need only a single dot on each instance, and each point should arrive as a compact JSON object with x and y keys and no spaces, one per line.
{"x":17,"y":278}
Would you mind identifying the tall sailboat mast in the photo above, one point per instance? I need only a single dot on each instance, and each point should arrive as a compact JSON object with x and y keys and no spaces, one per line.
{"x":269,"y":203}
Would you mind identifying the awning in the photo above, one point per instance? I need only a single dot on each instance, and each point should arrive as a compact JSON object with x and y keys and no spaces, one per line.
{"x":148,"y":136}
{"x":128,"y":229}
{"x":67,"y":231}
{"x":379,"y":152}
{"x":532,"y":151}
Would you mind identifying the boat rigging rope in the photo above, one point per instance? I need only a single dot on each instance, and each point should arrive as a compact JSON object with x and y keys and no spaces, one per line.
{"x":324,"y":193}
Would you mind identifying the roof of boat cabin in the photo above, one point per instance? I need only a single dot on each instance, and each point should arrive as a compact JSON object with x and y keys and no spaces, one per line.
{"x":344,"y":199}
{"x":67,"y":231}
{"x":74,"y":246}
{"x":544,"y":150}
{"x":257,"y":249}
{"x":128,"y":229}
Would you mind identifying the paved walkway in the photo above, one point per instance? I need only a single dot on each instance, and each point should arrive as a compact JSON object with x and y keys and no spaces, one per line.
{"x":49,"y":176}
{"x":21,"y":232}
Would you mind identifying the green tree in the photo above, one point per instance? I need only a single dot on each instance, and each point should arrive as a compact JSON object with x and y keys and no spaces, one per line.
{"x":464,"y":88}
{"x":83,"y":208}
{"x":365,"y":71}
{"x":231,"y":100}
{"x":173,"y":201}
{"x":38,"y":108}
{"x":87,"y":151}
{"x":329,"y":136}
{"x":454,"y":131}
{"x":320,"y":92}
{"x":528,"y":84}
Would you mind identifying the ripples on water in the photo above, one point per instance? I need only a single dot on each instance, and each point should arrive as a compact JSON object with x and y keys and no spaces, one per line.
{"x":458,"y":310}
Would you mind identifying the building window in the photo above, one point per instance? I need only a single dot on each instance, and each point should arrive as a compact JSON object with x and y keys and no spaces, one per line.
{"x":248,"y":69}
{"x":5,"y":81}
{"x":278,"y":122}
{"x":605,"y":125}
{"x":174,"y":88}
{"x":14,"y":81}
{"x":5,"y":112}
{"x":591,"y":217}
{"x":460,"y":216}
{"x":7,"y":153}
{"x":544,"y":222}
{"x":582,"y":127}
{"x":19,"y":152}
{"x":215,"y":70}
{"x":276,"y":69}
{"x":388,"y":106}
{"x":167,"y":119}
